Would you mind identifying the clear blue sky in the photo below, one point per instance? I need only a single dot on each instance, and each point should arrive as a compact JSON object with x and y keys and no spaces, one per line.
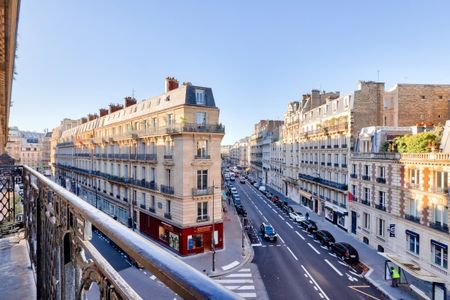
{"x":75,"y":57}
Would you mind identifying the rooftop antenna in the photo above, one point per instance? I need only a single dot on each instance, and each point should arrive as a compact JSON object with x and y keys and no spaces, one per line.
{"x":378,"y":75}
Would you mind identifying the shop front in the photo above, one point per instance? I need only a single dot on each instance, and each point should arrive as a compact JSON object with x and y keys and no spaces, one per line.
{"x":336,"y":215}
{"x":184,"y":241}
{"x":306,"y":199}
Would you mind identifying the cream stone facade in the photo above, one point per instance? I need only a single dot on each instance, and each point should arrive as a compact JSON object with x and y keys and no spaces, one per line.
{"x":154,"y":165}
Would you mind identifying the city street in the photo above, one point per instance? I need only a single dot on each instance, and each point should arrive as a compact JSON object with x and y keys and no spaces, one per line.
{"x":297,"y":267}
{"x":140,"y":280}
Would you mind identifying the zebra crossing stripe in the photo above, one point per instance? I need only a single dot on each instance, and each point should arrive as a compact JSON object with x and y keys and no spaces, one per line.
{"x":239,"y":275}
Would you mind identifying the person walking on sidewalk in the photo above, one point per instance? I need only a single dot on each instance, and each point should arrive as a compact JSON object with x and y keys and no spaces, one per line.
{"x":395,"y":276}
{"x":307,"y":215}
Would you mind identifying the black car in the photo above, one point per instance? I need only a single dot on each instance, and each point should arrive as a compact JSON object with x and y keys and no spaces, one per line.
{"x":240,"y":209}
{"x":279,"y":204}
{"x":268,"y":233}
{"x":346,"y":252}
{"x":308,"y":225}
{"x":287,"y":209}
{"x":324,"y":237}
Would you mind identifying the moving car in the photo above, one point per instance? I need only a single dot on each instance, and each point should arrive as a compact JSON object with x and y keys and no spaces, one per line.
{"x":345,"y":251}
{"x":296,"y":216}
{"x":242,"y":180}
{"x":324,"y":237}
{"x":268,"y":233}
{"x":309,"y":225}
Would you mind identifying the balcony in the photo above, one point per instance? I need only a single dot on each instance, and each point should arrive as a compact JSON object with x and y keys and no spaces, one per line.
{"x":168,"y":156}
{"x":353,"y":175}
{"x":145,"y":157}
{"x":202,"y":219}
{"x":63,"y":220}
{"x":376,"y":155}
{"x":151,"y":209}
{"x":412,"y":218}
{"x":168,"y":216}
{"x":329,"y":164}
{"x":202,"y":156}
{"x":166,"y":189}
{"x":202,"y":192}
{"x":439,"y":226}
{"x":142,"y":206}
{"x":335,"y":146}
{"x":365,"y":202}
{"x":381,"y":180}
{"x":366,"y":177}
{"x":336,"y":165}
{"x":343,"y":205}
{"x":322,"y":163}
{"x":380,"y":206}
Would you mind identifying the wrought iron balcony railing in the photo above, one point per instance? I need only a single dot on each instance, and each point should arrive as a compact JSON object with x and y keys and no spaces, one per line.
{"x":58,"y":227}
{"x":202,"y":192}
{"x":167,"y":189}
{"x":415,"y":219}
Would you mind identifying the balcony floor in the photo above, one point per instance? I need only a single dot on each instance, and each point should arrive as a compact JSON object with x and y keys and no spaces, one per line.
{"x":16,"y":276}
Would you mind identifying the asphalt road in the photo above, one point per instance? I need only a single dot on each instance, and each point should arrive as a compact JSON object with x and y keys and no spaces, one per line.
{"x":297,"y":267}
{"x":143,"y":282}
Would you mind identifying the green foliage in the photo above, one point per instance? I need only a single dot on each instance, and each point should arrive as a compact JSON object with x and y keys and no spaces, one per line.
{"x":419,"y":143}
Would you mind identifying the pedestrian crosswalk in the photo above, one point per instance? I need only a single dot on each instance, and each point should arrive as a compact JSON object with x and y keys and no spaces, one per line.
{"x":240,"y":282}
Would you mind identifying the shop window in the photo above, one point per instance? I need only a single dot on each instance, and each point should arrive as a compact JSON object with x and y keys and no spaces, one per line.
{"x":195,"y":241}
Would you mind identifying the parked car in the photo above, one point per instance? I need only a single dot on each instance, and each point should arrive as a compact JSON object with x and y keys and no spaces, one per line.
{"x":324,"y":237}
{"x":240,"y":209}
{"x":309,"y":225}
{"x":346,"y":252}
{"x":268,"y":233}
{"x":279,"y":203}
{"x":268,"y":194}
{"x":262,"y":188}
{"x":275,"y":199}
{"x":256,"y":185}
{"x":287,"y":209}
{"x":242,"y":180}
{"x":296,"y":216}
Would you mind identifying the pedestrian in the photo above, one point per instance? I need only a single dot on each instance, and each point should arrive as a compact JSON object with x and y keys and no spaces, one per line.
{"x":395,"y":276}
{"x":307,"y":216}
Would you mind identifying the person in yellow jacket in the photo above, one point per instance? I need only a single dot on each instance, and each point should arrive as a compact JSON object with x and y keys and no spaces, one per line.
{"x":395,"y":276}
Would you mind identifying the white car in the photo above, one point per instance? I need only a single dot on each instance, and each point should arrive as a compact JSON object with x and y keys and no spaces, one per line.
{"x":262,"y":188}
{"x":296,"y":216}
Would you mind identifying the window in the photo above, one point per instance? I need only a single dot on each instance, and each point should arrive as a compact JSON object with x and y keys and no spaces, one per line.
{"x":202,"y":148}
{"x":202,"y":179}
{"x":152,"y":201}
{"x":382,"y":198}
{"x":439,"y":253}
{"x":143,"y":177}
{"x":143,"y":199}
{"x":201,"y":118}
{"x":442,"y":182}
{"x":415,"y":177}
{"x":202,"y":210}
{"x":170,"y":120}
{"x":414,"y":207}
{"x":154,"y":122}
{"x":366,"y":170}
{"x":366,"y":221}
{"x":381,"y":226}
{"x":168,"y":176}
{"x":412,"y":241}
{"x":367,"y":194}
{"x":354,"y":169}
{"x":381,"y":172}
{"x":200,"y":97}
{"x":440,"y":214}
{"x":168,"y":207}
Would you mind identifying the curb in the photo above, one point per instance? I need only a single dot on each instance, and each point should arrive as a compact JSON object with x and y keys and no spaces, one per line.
{"x":376,"y":284}
{"x":249,"y":254}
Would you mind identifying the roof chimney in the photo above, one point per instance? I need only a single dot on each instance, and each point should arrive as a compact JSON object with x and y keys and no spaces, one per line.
{"x":103,"y":112}
{"x":92,"y":117}
{"x":83,"y":120}
{"x":170,"y":84}
{"x":129,"y":101}
{"x":114,"y":107}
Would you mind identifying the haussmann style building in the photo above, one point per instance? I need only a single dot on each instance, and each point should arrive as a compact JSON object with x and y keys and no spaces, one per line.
{"x":153,"y":165}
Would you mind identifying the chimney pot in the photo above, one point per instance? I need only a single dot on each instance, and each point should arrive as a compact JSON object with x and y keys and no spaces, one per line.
{"x":170,"y":84}
{"x":103,"y":112}
{"x":129,"y":101}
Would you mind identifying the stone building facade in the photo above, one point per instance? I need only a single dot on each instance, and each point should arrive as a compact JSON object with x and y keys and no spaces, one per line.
{"x":153,"y":165}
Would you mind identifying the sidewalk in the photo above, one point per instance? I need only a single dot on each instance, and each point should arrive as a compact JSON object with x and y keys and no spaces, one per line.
{"x":367,"y":255}
{"x":232,"y":256}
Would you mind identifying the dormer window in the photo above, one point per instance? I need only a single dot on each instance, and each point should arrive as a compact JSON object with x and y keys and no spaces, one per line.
{"x":200,"y":97}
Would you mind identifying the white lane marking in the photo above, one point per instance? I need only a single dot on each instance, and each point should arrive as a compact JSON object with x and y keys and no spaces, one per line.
{"x":299,"y":235}
{"x":306,"y":275}
{"x":247,"y":295}
{"x":230,"y":265}
{"x":274,"y":210}
{"x":321,"y":296}
{"x":246,"y":287}
{"x":333,"y":267}
{"x":145,"y":273}
{"x":244,"y":270}
{"x":234,"y":280}
{"x":292,"y":253}
{"x":289,"y":225}
{"x":312,"y":247}
{"x":323,"y":293}
{"x":257,"y":245}
{"x":240,"y":275}
{"x":260,"y":212}
{"x":359,"y":275}
{"x":281,"y":217}
{"x":281,"y":239}
{"x":315,"y":287}
{"x":153,"y":277}
{"x":342,"y":263}
{"x":265,"y":219}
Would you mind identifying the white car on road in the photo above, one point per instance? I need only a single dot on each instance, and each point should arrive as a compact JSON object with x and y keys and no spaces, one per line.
{"x":296,"y":216}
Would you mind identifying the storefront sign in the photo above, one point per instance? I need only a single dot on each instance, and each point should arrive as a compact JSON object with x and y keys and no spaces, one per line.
{"x":203,"y":229}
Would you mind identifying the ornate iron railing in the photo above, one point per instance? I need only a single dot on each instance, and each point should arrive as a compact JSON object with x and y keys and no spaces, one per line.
{"x":59,"y":228}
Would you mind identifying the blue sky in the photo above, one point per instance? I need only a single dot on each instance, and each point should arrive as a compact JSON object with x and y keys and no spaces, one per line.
{"x":75,"y":57}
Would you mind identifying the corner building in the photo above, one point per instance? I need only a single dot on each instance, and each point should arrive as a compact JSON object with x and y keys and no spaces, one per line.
{"x":152,"y":165}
